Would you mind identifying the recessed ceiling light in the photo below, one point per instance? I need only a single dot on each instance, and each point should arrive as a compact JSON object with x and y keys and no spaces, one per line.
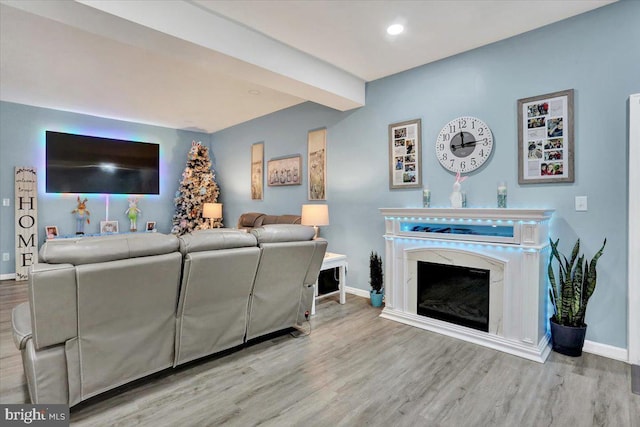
{"x":254,"y":92}
{"x":395,"y":29}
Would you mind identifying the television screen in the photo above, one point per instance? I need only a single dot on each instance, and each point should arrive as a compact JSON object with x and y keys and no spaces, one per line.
{"x":90,"y":164}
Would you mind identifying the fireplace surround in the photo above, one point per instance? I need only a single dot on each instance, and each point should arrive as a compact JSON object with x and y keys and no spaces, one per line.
{"x":510,"y":244}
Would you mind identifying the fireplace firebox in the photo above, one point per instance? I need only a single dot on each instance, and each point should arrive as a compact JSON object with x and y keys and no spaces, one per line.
{"x":454,"y":294}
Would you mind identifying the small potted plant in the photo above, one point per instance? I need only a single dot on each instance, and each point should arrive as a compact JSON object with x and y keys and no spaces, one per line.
{"x":376,"y":279}
{"x":570,"y":293}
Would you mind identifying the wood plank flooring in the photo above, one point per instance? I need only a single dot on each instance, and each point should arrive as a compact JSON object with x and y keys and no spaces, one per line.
{"x":354,"y":369}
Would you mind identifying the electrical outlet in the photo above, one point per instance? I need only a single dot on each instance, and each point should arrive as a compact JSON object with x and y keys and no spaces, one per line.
{"x":6,"y":202}
{"x":5,"y":256}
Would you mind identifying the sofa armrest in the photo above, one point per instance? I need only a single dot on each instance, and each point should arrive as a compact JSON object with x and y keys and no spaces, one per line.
{"x":250,"y":220}
{"x":21,"y":325}
{"x":316,"y":261}
{"x":52,"y":297}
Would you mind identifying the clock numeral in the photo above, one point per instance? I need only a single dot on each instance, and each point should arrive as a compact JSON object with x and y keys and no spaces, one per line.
{"x":481,"y":153}
{"x":463,"y":165}
{"x":473,"y":124}
{"x":444,"y":156}
{"x":452,"y":128}
{"x":473,"y":161}
{"x":462,"y":123}
{"x":441,"y":147}
{"x":453,"y":161}
{"x":481,"y":131}
{"x":485,"y":142}
{"x":446,"y":137}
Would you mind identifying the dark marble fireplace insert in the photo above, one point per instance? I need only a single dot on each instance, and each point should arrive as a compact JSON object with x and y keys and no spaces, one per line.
{"x":454,"y":294}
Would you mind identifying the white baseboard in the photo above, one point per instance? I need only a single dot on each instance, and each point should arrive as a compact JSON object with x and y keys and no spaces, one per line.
{"x":9,"y":276}
{"x":606,"y":350}
{"x":357,"y":291}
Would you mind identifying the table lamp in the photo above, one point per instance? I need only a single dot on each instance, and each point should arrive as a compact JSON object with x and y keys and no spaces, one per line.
{"x":212,"y":211}
{"x":315,"y":215}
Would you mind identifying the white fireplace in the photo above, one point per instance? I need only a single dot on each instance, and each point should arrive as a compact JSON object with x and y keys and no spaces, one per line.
{"x":510,"y":244}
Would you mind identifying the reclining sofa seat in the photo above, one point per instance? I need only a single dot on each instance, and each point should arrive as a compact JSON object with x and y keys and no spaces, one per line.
{"x":101,"y":313}
{"x":290,"y":262}
{"x":219,"y":268}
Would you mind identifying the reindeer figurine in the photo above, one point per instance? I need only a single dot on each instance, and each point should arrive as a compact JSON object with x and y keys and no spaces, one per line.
{"x":132,"y":213}
{"x":81,"y":214}
{"x":456,"y":196}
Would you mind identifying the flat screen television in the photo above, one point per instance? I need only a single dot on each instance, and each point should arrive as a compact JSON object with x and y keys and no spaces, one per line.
{"x":90,"y":164}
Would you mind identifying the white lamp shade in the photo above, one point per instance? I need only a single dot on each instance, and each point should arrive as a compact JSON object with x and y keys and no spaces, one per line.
{"x":315,"y":215}
{"x":212,"y":210}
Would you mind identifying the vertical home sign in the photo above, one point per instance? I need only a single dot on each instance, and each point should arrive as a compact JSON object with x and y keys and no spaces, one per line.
{"x":26,"y":220}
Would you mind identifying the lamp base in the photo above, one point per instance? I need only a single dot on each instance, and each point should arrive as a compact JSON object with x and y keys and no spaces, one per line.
{"x":316,"y":229}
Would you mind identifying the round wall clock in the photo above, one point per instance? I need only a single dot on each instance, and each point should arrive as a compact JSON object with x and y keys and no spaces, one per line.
{"x":464,"y":144}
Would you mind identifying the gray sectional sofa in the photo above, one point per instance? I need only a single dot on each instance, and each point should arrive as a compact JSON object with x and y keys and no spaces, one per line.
{"x":105,"y":311}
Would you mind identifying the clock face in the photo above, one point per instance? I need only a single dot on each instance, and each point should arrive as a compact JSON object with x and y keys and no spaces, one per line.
{"x":464,"y":144}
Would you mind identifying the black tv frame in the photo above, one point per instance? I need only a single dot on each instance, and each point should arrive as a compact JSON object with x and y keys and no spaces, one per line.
{"x":97,"y":165}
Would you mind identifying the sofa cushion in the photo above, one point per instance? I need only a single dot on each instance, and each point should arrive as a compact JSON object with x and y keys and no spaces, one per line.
{"x":21,"y":322}
{"x":275,"y":233}
{"x":206,"y":240}
{"x":89,"y":250}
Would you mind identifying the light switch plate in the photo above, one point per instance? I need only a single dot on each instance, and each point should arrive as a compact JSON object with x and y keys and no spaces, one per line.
{"x":581,"y":203}
{"x":5,"y":256}
{"x":6,"y":202}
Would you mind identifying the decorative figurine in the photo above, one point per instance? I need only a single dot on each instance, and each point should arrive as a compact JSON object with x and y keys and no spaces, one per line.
{"x":457,"y":199}
{"x":132,"y":212}
{"x":81,"y":214}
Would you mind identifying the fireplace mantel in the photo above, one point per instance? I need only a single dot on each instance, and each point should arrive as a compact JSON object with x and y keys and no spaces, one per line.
{"x":472,"y":213}
{"x":511,"y":243}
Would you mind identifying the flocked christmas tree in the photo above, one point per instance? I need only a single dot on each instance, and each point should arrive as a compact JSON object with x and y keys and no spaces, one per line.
{"x":198,"y":186}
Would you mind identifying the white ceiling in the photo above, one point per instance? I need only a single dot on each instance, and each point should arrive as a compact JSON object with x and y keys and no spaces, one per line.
{"x":210,"y":64}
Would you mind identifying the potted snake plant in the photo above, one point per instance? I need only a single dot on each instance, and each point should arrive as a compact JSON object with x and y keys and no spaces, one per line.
{"x":376,"y":279}
{"x":570,"y":291}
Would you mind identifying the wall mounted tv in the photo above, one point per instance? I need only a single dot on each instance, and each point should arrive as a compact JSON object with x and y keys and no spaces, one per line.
{"x":90,"y":164}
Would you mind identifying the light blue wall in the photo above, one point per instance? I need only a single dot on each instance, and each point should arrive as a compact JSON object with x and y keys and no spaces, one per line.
{"x":597,"y":54}
{"x":22,"y":143}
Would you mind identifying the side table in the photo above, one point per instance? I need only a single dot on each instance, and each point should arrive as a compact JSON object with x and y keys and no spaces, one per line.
{"x":332,"y":260}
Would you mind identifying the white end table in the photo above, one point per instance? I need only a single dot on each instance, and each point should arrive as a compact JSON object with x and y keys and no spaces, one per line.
{"x":332,"y":260}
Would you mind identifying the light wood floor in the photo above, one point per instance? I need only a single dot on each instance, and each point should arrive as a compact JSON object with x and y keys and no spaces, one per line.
{"x":354,"y":369}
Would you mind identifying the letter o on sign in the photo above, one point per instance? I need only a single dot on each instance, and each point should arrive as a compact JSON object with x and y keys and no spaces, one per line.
{"x":31,"y":219}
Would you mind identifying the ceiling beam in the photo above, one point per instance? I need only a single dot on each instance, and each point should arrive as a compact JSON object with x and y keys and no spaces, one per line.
{"x":231,"y":48}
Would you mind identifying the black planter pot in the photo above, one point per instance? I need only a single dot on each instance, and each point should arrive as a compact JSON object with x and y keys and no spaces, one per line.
{"x":567,"y":340}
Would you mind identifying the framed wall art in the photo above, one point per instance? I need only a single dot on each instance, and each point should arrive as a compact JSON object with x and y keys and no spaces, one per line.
{"x":285,"y":170}
{"x":257,"y":171}
{"x":405,"y":154}
{"x":317,"y":164}
{"x":545,"y":138}
{"x":150,"y":226}
{"x":109,"y":227}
